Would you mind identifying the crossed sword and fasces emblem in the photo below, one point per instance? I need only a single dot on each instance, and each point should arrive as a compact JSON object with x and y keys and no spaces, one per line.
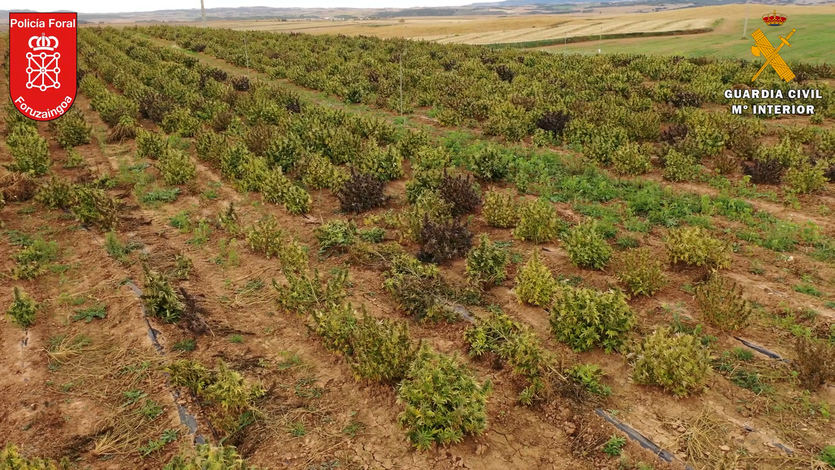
{"x":772,"y":55}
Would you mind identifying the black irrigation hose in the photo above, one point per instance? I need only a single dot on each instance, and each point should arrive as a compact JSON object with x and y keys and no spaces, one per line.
{"x":187,"y":419}
{"x":761,"y":350}
{"x":638,"y":437}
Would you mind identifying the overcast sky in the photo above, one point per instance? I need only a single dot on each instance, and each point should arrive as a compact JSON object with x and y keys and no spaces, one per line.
{"x":98,"y":6}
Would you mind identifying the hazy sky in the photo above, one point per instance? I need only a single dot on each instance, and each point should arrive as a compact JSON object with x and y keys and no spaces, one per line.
{"x":98,"y":6}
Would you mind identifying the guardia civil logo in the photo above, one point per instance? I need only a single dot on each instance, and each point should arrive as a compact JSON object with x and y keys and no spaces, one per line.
{"x":770,"y":53}
{"x":744,"y":99}
{"x":42,"y":63}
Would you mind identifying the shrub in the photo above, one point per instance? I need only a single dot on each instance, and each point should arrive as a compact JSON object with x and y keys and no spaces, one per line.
{"x":722,"y":303}
{"x":55,"y":194}
{"x":806,"y":178}
{"x":588,"y":376}
{"x":265,"y":237}
{"x":372,"y":235}
{"x":442,"y":401}
{"x":336,"y":236}
{"x":604,"y":142}
{"x":427,"y":171}
{"x":586,"y":247}
{"x":181,"y":121}
{"x":176,"y":167}
{"x":538,"y":222}
{"x":694,"y":246}
{"x":115,"y":248}
{"x":154,"y":105}
{"x":275,"y":187}
{"x":297,"y":200}
{"x":74,"y":159}
{"x":160,"y":298}
{"x":385,"y":164}
{"x":305,"y":293}
{"x":827,"y":455}
{"x":150,"y":144}
{"x":224,"y":389}
{"x":631,"y":159}
{"x":553,"y":122}
{"x":441,"y":241}
{"x":209,"y":146}
{"x":516,"y":345}
{"x":640,"y":272}
{"x":362,"y":192}
{"x":125,"y":129}
{"x":507,"y":120}
{"x":676,"y":362}
{"x":765,"y":170}
{"x":112,"y":107}
{"x":585,"y":318}
{"x":460,"y":193}
{"x":535,"y":284}
{"x":680,"y":167}
{"x":318,"y":172}
{"x":15,"y":118}
{"x":815,"y":362}
{"x":416,"y":287}
{"x":789,"y":152}
{"x":221,"y":120}
{"x":293,"y":256}
{"x":253,"y":171}
{"x":335,"y":324}
{"x":490,"y":163}
{"x":259,"y":137}
{"x":33,"y":260}
{"x":382,"y":350}
{"x":377,"y":349}
{"x":240,"y":83}
{"x":681,"y":98}
{"x":71,"y":129}
{"x":231,"y":159}
{"x":614,"y":446}
{"x":22,"y":310}
{"x":487,"y":263}
{"x":207,"y":456}
{"x":94,"y":206}
{"x":11,"y":459}
{"x":30,"y":151}
{"x":500,"y":209}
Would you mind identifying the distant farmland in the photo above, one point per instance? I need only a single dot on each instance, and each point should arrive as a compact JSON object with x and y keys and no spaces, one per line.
{"x":811,"y":43}
{"x":713,"y":30}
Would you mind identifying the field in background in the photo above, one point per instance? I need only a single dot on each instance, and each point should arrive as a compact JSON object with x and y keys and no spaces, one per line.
{"x":812,"y":42}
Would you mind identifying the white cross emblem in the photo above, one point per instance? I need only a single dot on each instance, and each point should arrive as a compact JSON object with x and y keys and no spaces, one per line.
{"x":43,"y":67}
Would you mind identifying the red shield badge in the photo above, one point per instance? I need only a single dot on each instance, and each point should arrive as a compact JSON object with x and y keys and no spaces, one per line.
{"x":42,"y":63}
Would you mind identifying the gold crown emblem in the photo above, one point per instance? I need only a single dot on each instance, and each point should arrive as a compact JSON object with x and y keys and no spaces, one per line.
{"x":773,"y":19}
{"x":43,"y":43}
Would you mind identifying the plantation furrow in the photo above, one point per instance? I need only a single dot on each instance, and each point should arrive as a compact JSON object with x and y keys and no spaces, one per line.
{"x":782,"y":230}
{"x":173,"y":210}
{"x":187,"y":418}
{"x":73,"y":364}
{"x":85,"y":356}
{"x":728,"y":192}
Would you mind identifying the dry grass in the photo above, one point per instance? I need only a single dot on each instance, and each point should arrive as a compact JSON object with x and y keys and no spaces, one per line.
{"x":703,"y":440}
{"x":101,"y":371}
